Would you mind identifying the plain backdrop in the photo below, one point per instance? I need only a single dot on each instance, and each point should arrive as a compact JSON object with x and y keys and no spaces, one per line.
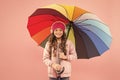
{"x":21,"y":57}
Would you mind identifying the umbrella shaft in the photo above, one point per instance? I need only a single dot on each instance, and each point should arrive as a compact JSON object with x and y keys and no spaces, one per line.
{"x":69,"y":27}
{"x":58,"y":54}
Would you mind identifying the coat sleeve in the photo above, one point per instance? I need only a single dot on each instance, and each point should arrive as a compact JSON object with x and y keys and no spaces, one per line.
{"x":46,"y":56}
{"x":72,"y":52}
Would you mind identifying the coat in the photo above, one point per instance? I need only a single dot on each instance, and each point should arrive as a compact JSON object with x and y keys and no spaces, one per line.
{"x":71,"y":54}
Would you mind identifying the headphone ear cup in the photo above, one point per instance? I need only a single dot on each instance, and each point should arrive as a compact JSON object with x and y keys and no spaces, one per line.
{"x":51,"y":31}
{"x":65,"y":31}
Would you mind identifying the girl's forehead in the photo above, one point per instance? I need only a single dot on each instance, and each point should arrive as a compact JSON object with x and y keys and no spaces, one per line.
{"x":58,"y":29}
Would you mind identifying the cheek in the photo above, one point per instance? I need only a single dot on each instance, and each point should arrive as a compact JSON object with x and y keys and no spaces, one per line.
{"x":61,"y":32}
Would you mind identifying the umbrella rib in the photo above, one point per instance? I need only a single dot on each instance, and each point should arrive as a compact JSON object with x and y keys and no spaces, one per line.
{"x":79,"y":17}
{"x":48,"y":11}
{"x":87,"y":44}
{"x":73,"y":12}
{"x":92,"y":25}
{"x":77,"y":32}
{"x":47,"y":20}
{"x":94,"y":34}
{"x":110,"y":38}
{"x":90,"y":41}
{"x":44,"y":42}
{"x":65,"y":10}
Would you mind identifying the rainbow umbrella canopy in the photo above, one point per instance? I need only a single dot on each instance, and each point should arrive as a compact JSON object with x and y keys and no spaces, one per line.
{"x":89,"y":34}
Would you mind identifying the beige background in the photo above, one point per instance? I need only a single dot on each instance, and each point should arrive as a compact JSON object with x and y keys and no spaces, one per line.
{"x":21,"y":58}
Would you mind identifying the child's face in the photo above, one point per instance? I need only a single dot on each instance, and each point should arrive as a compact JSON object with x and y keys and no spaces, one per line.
{"x":58,"y":32}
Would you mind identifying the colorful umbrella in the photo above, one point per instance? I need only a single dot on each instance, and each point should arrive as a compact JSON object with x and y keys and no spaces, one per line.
{"x":89,"y":34}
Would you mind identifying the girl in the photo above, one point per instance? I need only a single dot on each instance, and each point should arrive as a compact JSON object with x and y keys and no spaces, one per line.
{"x":58,"y":53}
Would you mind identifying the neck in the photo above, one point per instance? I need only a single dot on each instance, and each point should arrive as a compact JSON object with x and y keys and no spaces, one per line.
{"x":59,"y":40}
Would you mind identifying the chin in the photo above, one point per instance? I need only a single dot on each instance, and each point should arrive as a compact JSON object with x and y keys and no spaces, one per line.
{"x":58,"y":37}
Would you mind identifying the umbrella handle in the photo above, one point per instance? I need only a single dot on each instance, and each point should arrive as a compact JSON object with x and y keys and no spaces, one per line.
{"x":60,"y":71}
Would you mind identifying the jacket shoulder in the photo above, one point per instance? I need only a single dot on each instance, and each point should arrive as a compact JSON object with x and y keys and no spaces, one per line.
{"x":68,"y":41}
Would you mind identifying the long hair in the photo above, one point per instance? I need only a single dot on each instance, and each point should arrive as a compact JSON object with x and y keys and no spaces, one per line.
{"x":53,"y":43}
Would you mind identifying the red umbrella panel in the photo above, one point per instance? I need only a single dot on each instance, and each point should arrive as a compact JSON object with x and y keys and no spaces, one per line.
{"x":40,"y":22}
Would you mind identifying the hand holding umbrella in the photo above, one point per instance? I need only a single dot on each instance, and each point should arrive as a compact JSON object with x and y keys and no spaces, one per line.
{"x":56,"y":66}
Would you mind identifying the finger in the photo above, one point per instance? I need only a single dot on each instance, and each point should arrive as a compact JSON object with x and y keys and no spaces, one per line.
{"x":59,"y":67}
